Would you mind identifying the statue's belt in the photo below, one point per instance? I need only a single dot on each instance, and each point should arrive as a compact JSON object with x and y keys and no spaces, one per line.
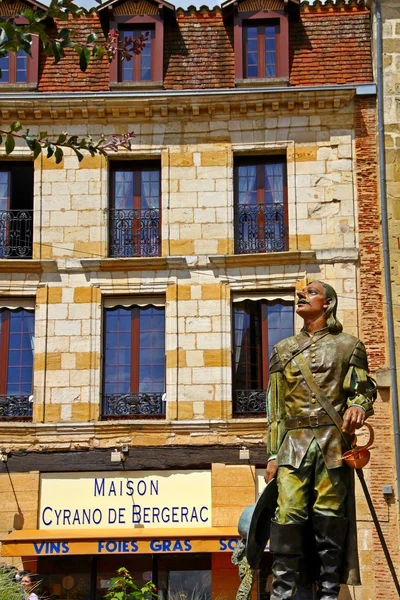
{"x":309,"y":421}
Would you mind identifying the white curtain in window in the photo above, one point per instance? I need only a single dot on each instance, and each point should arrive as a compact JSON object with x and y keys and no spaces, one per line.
{"x":262,"y":295}
{"x":127,"y":301}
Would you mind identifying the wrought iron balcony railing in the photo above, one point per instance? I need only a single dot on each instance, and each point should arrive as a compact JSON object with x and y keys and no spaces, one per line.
{"x":135,"y":232}
{"x":134,"y":406}
{"x":16,"y":232}
{"x":260,"y":228}
{"x":16,"y":407}
{"x":249,"y":403}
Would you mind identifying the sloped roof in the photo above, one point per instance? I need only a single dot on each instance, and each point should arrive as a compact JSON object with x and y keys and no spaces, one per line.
{"x":282,"y":3}
{"x":13,"y":7}
{"x":158,"y":3}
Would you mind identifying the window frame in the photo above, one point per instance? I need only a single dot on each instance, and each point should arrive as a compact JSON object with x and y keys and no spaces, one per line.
{"x":153,"y":22}
{"x":263,"y":17}
{"x":32,"y":65}
{"x":136,"y":166}
{"x":262,"y":347}
{"x":260,"y":161}
{"x":134,"y":305}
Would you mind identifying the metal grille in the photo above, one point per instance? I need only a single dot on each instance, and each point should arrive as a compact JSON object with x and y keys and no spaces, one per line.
{"x":16,"y":229}
{"x":249,"y":403}
{"x":13,"y":407}
{"x":133,"y":406}
{"x":260,"y":228}
{"x":135,"y":232}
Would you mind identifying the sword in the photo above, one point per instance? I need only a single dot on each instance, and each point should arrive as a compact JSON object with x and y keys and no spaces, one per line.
{"x":378,"y":529}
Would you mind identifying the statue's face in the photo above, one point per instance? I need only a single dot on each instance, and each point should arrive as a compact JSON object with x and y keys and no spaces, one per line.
{"x":311,"y":301}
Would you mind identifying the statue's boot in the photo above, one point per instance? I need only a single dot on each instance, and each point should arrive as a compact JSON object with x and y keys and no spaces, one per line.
{"x":286,"y":544}
{"x":330,"y":534}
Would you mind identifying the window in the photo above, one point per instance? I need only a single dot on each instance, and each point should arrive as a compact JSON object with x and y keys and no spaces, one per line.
{"x":261,"y":205}
{"x":134,"y":359}
{"x":261,"y":41}
{"x":260,"y":56}
{"x":16,"y":361}
{"x":135,"y":219}
{"x":16,"y":209}
{"x":145,"y":68}
{"x":257,"y":326}
{"x":19,"y":67}
{"x":140,"y":67}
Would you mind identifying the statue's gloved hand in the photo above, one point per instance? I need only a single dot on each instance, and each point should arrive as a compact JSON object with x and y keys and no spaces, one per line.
{"x":353,"y":419}
{"x":271,"y":470}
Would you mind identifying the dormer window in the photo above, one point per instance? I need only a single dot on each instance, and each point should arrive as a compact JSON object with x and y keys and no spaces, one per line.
{"x":261,"y":45}
{"x":140,"y":67}
{"x":18,"y":67}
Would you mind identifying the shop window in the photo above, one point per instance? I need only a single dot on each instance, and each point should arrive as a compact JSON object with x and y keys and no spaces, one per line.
{"x":16,"y":360}
{"x":261,"y":219}
{"x":134,"y":359}
{"x":258,"y":324}
{"x":261,"y":46}
{"x":145,"y":68}
{"x":135,"y":213}
{"x":16,"y":209}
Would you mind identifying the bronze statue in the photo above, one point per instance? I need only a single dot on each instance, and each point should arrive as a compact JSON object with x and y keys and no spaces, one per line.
{"x":317,"y":378}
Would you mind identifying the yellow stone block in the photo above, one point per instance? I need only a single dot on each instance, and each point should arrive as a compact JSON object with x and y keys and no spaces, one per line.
{"x":211,"y":291}
{"x":181,"y":247}
{"x":80,"y":411}
{"x":83,"y":295}
{"x":88,"y":249}
{"x":183,"y":159}
{"x":42,"y":251}
{"x":185,"y":410}
{"x":171,"y":411}
{"x":223,"y":516}
{"x":87,"y":360}
{"x":225,"y":476}
{"x":170,"y":293}
{"x":217,"y":358}
{"x":52,"y":413}
{"x":300,"y":242}
{"x":164,"y":247}
{"x":175,"y":358}
{"x":54,"y":295}
{"x":91,"y":162}
{"x":212,"y":409}
{"x":214,"y":159}
{"x":37,"y":415}
{"x":183,"y":292}
{"x":305,"y":153}
{"x":225,"y":246}
{"x":47,"y":164}
{"x":53,"y":361}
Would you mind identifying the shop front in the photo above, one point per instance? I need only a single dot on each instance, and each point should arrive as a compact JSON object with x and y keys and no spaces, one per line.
{"x":158,"y":525}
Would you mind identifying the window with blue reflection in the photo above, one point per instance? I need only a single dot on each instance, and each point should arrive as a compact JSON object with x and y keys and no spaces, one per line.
{"x":134,"y":349}
{"x":16,"y":347}
{"x":260,"y":50}
{"x":139,"y":66}
{"x":258,"y":325}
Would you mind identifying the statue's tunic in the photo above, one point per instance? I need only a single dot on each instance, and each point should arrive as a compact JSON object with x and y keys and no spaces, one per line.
{"x":338,"y":363}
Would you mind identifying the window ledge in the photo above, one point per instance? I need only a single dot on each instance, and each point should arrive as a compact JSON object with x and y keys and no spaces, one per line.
{"x":157,"y":263}
{"x":11,"y":265}
{"x":268,"y":258}
{"x":262,"y":82}
{"x":18,"y":87}
{"x":136,"y":85}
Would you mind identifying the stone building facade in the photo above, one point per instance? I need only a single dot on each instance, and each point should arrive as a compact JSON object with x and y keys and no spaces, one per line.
{"x":207,"y":255}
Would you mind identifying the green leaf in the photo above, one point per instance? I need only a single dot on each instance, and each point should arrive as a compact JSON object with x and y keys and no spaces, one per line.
{"x":61,"y":138}
{"x":10,"y":143}
{"x":16,"y":126}
{"x":50,"y":150}
{"x":84,"y":59}
{"x":37,"y":150}
{"x":78,"y":154}
{"x":92,"y":37}
{"x":58,"y":155}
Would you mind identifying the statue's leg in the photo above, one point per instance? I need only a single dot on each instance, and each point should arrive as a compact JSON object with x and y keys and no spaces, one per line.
{"x":330,"y":533}
{"x":330,"y":526}
{"x":288,"y":528}
{"x":287,"y":545}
